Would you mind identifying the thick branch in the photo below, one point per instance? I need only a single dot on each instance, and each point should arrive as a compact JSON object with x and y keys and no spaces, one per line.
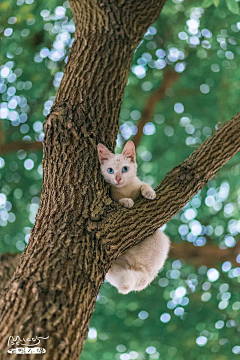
{"x":111,"y":30}
{"x":20,"y":145}
{"x":178,"y":187}
{"x":209,"y":255}
{"x":125,"y":19}
{"x":54,"y":288}
{"x":169,"y":78}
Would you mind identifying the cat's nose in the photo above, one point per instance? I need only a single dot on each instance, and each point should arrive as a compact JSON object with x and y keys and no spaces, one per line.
{"x":118,"y":179}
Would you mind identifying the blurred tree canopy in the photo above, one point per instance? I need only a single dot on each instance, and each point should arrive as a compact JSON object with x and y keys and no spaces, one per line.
{"x":188,"y":312}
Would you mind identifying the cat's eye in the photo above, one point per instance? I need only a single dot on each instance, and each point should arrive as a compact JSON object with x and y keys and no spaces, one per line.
{"x":125,"y":169}
{"x":110,"y":171}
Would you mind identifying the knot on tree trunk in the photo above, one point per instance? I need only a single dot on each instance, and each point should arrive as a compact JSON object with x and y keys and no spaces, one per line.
{"x":68,"y":124}
{"x":185,"y":171}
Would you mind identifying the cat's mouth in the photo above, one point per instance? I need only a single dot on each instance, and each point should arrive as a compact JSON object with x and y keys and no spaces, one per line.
{"x":119,"y":185}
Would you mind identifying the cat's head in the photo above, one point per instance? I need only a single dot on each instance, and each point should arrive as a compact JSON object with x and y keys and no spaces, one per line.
{"x":118,"y":169}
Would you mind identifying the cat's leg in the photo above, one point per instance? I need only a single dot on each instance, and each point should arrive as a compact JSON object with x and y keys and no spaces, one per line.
{"x":133,"y":280}
{"x":142,"y":280}
{"x":126,"y":202}
{"x":147,"y":191}
{"x":139,"y":265}
{"x":123,"y":279}
{"x":127,"y":282}
{"x":147,"y":258}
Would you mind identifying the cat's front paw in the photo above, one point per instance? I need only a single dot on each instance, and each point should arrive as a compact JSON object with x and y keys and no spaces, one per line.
{"x":128,"y":203}
{"x":149,"y":194}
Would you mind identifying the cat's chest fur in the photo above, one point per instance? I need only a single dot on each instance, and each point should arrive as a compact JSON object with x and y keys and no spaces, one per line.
{"x":131,"y":190}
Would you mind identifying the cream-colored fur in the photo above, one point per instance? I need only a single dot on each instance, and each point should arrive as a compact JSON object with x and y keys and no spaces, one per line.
{"x":137,"y":267}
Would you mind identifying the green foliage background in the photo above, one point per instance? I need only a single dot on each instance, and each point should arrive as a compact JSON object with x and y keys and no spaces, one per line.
{"x":187,"y":312}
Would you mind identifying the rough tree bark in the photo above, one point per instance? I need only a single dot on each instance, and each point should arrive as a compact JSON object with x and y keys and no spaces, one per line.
{"x":78,"y":230}
{"x":169,"y":78}
{"x":54,"y":289}
{"x":208,"y":255}
{"x":8,"y":264}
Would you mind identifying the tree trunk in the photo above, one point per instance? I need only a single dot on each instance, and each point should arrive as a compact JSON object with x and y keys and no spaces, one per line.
{"x":209,"y":255}
{"x":54,"y":288}
{"x":79,"y":230}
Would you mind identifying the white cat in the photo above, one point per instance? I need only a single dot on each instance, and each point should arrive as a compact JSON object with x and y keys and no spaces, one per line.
{"x":138,"y":266}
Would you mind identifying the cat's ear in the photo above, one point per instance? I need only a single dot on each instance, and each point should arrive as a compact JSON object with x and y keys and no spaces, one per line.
{"x":129,"y":151}
{"x":103,"y":153}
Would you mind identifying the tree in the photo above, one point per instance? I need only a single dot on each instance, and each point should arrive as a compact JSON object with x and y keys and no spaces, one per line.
{"x":77,"y":232}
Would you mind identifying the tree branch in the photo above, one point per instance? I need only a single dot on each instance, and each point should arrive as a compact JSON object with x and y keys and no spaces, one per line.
{"x":169,"y":78}
{"x":208,"y":255}
{"x":178,"y":187}
{"x":20,"y":145}
{"x":54,"y":288}
{"x":125,"y":19}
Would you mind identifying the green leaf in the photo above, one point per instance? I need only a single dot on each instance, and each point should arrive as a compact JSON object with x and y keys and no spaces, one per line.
{"x":233,"y":6}
{"x":207,"y":3}
{"x":216,"y":3}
